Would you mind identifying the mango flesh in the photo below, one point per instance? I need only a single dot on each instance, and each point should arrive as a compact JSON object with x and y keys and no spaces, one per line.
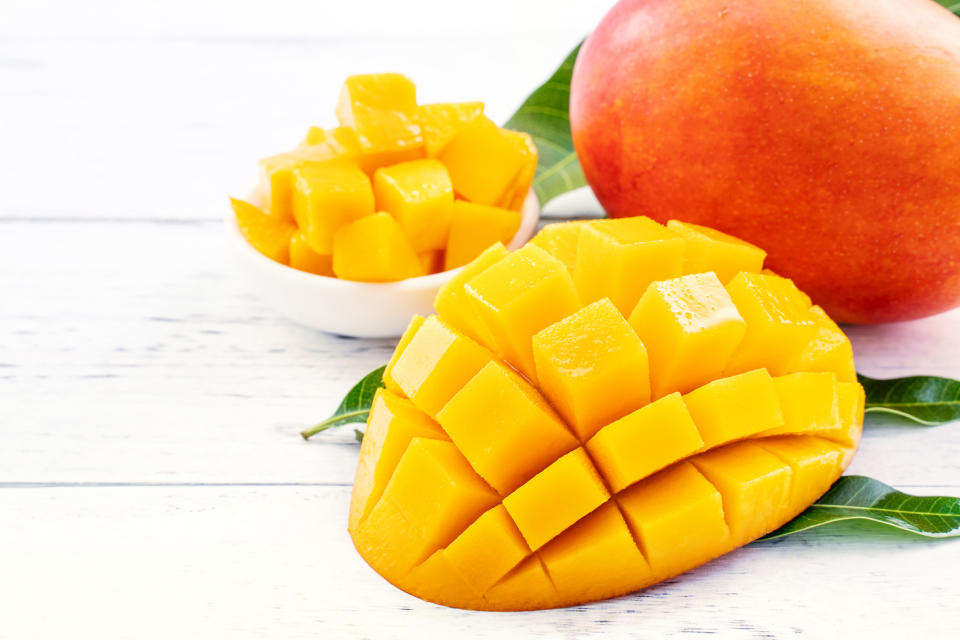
{"x":825,"y":132}
{"x":594,"y":455}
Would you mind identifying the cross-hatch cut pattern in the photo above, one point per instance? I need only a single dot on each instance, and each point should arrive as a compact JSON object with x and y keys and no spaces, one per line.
{"x":611,"y":405}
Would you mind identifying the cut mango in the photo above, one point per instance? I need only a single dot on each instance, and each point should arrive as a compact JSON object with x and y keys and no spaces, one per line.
{"x":618,"y":259}
{"x":327,"y":196}
{"x":440,"y":122}
{"x":574,"y":485}
{"x":474,"y":228}
{"x":374,"y":249}
{"x":483,"y":162}
{"x":342,"y":142}
{"x":266,"y":234}
{"x":516,"y":193}
{"x":711,"y":250}
{"x":382,"y":110}
{"x":592,"y":367}
{"x":419,"y":195}
{"x":304,"y":258}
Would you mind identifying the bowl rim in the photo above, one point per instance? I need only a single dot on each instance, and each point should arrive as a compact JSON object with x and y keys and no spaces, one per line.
{"x":530,"y":217}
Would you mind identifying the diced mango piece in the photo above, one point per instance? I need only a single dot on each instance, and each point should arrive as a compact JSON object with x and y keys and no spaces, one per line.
{"x":431,"y":498}
{"x":814,"y":464}
{"x":754,"y":483}
{"x":266,"y":234}
{"x":596,"y":558}
{"x":592,"y":367}
{"x":498,"y":416}
{"x":526,"y":587}
{"x":829,"y":350}
{"x":618,"y":259}
{"x":691,"y":329}
{"x":677,"y":515}
{"x":328,"y":195}
{"x":382,"y":109}
{"x":374,"y":249}
{"x":735,"y":407}
{"x":850,"y":405}
{"x":415,"y":323}
{"x":343,"y":143}
{"x":392,"y":424}
{"x":277,"y":179}
{"x":488,"y":549}
{"x":645,"y":441}
{"x":419,"y":195}
{"x":435,"y":364}
{"x":779,"y":324}
{"x":474,"y":228}
{"x":516,"y":193}
{"x":432,"y":261}
{"x":556,"y":498}
{"x":517,"y":297}
{"x":436,"y":578}
{"x":711,"y":250}
{"x":440,"y":122}
{"x":304,"y":258}
{"x":483,"y":162}
{"x":808,"y":402}
{"x":560,"y":241}
{"x":454,"y":304}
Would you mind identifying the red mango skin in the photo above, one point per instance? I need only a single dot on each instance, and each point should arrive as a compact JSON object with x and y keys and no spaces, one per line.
{"x":825,"y":131}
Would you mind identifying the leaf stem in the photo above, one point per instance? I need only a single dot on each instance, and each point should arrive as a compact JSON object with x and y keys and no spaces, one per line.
{"x":333,"y":421}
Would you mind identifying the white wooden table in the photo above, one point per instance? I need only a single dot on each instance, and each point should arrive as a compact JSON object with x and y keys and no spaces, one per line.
{"x":152,"y":482}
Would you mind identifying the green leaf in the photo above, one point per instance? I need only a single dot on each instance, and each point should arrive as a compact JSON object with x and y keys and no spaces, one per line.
{"x":951,"y":5}
{"x":866,"y":499}
{"x":545,"y":116}
{"x":355,"y":406}
{"x":927,"y":400}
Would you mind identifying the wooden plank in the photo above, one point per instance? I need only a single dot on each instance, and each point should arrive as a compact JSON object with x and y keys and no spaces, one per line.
{"x":276,"y":562}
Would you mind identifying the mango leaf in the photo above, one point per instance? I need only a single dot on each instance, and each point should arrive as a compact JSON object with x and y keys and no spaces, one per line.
{"x":862,"y":498}
{"x":927,"y":400}
{"x":545,"y":116}
{"x":951,"y":5}
{"x":355,"y":406}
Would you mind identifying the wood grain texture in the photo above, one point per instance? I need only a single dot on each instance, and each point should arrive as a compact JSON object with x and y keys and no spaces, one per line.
{"x":152,"y":482}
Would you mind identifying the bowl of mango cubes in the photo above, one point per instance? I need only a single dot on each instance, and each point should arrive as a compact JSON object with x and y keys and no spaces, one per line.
{"x":356,"y":229}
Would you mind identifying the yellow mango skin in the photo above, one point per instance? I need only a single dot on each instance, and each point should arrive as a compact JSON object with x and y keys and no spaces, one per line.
{"x":440,"y":122}
{"x":592,"y":367}
{"x":266,"y":234}
{"x":303,"y":258}
{"x":374,"y":249}
{"x":711,"y":250}
{"x":667,"y":487}
{"x":474,"y":228}
{"x":327,"y":196}
{"x":419,"y":195}
{"x":382,"y":110}
{"x":482,"y":160}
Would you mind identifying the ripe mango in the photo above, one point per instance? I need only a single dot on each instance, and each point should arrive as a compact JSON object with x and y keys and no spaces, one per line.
{"x":535,"y":447}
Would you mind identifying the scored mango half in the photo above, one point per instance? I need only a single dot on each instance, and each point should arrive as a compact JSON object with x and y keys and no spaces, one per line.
{"x":611,"y":405}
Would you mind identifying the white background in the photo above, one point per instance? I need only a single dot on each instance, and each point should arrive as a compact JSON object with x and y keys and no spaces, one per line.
{"x":152,"y":483}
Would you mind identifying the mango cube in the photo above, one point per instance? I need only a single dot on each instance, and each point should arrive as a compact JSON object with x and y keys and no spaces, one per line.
{"x":735,"y":407}
{"x":618,"y":259}
{"x":343,"y":143}
{"x":498,"y":416}
{"x":488,"y":549}
{"x":829,"y":350}
{"x":691,"y":329}
{"x":432,"y":261}
{"x":382,"y":109}
{"x":419,"y":195}
{"x":454,"y":304}
{"x":712,"y":250}
{"x":327,"y":196}
{"x":516,"y":193}
{"x":526,"y":587}
{"x":560,"y":241}
{"x":556,"y":498}
{"x":265,"y":233}
{"x":754,"y":483}
{"x":645,"y":441}
{"x":677,"y":515}
{"x":808,"y":402}
{"x":814,"y":465}
{"x":850,"y":405}
{"x":517,"y":297}
{"x":592,"y":367}
{"x":779,"y":324}
{"x":374,"y":249}
{"x":474,"y":227}
{"x":437,"y":572}
{"x":595,"y":558}
{"x":415,"y":323}
{"x":394,"y":422}
{"x":483,"y":162}
{"x":277,"y":179}
{"x":303,"y":258}
{"x":440,"y":122}
{"x":435,"y":364}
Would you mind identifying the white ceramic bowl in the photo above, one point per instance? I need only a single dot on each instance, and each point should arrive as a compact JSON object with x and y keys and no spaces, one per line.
{"x":343,"y":307}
